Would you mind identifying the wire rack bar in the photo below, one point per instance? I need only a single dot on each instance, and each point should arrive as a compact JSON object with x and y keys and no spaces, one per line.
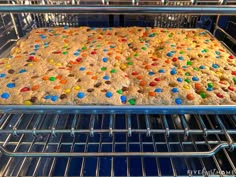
{"x":203,"y":10}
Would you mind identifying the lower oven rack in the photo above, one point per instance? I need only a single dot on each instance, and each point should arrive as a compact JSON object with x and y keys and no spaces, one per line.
{"x":31,"y":141}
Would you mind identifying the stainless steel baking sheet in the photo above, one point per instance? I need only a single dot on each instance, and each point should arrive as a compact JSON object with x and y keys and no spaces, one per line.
{"x":109,"y":109}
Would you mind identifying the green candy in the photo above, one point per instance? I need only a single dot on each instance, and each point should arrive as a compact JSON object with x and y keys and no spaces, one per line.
{"x":136,"y":55}
{"x":210,"y":85}
{"x":52,"y":78}
{"x":65,"y":53}
{"x":181,"y":52}
{"x":187,"y":80}
{"x":119,"y":91}
{"x":98,"y":46}
{"x":63,"y":36}
{"x":170,"y":35}
{"x":64,"y":47}
{"x":83,"y":48}
{"x":143,"y":48}
{"x":234,"y":79}
{"x":103,"y":68}
{"x":203,"y":95}
{"x":189,"y":63}
{"x":187,"y":74}
{"x":113,"y":71}
{"x":130,"y":63}
{"x":132,"y":101}
{"x":196,"y":69}
{"x":128,"y":58}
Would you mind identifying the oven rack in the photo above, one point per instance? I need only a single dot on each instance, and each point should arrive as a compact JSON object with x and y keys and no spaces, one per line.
{"x":168,"y":143}
{"x":17,"y":122}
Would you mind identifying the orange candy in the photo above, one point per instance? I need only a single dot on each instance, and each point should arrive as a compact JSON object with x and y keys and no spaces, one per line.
{"x":117,"y":57}
{"x":59,"y":77}
{"x":89,"y":73}
{"x":142,"y":83}
{"x":190,"y":96}
{"x":57,"y":87}
{"x":63,"y":81}
{"x":45,"y":78}
{"x":198,"y":86}
{"x":35,"y":87}
{"x":83,"y":54}
{"x":139,"y":77}
{"x":167,"y":61}
{"x":94,"y":77}
{"x":147,"y":67}
{"x":37,"y":40}
{"x":152,"y":93}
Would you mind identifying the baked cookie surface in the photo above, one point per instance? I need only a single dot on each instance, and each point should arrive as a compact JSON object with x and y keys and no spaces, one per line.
{"x":118,"y":66}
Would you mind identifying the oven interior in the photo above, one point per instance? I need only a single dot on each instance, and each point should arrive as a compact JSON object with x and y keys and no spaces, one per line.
{"x":92,"y":143}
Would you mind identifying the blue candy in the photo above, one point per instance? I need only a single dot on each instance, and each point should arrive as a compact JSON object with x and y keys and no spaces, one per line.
{"x":161,"y":71}
{"x":48,"y":97}
{"x":106,"y":77}
{"x":11,"y":85}
{"x":158,"y":90}
{"x":109,"y":94}
{"x":169,"y":54}
{"x":5,"y":95}
{"x":202,"y":67}
{"x":179,"y":79}
{"x":82,"y":68}
{"x":105,"y":59}
{"x":54,"y":98}
{"x":174,"y":90}
{"x":178,"y":101}
{"x":2,"y":75}
{"x":181,"y":58}
{"x":209,"y":89}
{"x":81,"y":95}
{"x":173,"y":72}
{"x":151,"y":73}
{"x":123,"y":99}
{"x":76,"y":53}
{"x":215,"y":66}
{"x":195,"y":78}
{"x":22,"y":71}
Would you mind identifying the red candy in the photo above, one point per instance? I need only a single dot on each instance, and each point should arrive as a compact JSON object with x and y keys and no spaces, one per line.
{"x":231,"y":57}
{"x":25,"y":89}
{"x":231,"y":88}
{"x":222,"y":82}
{"x":93,"y":52}
{"x":154,"y":59}
{"x":154,"y":64}
{"x":157,"y":79}
{"x":123,"y":40}
{"x":31,"y":57}
{"x":220,"y":95}
{"x":152,"y":84}
{"x":109,"y":34}
{"x":134,"y":73}
{"x":233,"y":73}
{"x":56,"y":52}
{"x":174,"y":59}
{"x":79,"y":59}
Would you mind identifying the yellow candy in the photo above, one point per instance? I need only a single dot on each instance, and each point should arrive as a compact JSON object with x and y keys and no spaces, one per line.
{"x":8,"y":66}
{"x":218,"y":73}
{"x":27,"y":102}
{"x":50,"y":60}
{"x":186,"y":87}
{"x":30,"y":64}
{"x":67,"y":91}
{"x":58,"y":64}
{"x":117,"y":63}
{"x":77,"y":87}
{"x":123,"y":66}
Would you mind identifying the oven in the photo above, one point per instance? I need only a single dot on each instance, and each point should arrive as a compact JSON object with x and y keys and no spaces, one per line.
{"x":101,"y":140}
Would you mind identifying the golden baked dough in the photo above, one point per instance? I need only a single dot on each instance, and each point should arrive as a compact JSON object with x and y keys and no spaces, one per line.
{"x":118,"y":66}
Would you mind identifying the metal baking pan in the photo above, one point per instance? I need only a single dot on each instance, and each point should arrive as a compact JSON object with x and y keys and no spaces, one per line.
{"x":109,"y":109}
